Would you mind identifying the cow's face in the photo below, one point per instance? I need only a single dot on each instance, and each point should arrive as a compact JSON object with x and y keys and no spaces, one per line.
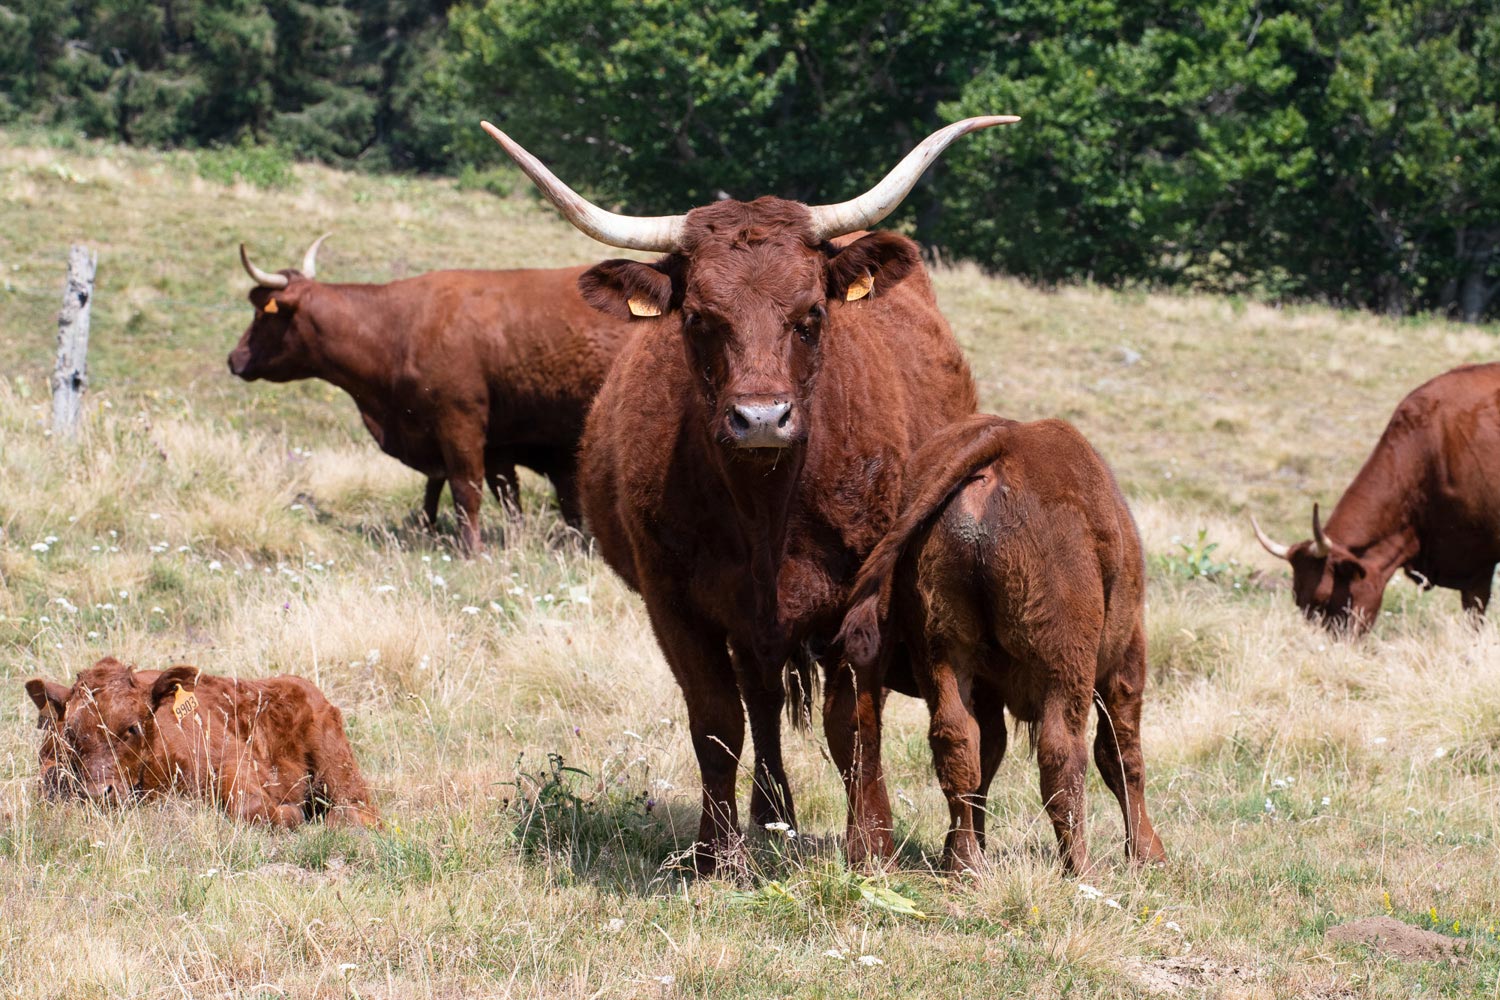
{"x":56,"y":765}
{"x":109,"y":729}
{"x":278,"y":344}
{"x":1334,"y":589}
{"x":753,"y":295}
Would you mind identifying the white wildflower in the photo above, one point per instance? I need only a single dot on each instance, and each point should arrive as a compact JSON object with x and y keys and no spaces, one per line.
{"x":869,"y":960}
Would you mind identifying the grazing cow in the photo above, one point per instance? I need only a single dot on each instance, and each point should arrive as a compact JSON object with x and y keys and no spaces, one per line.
{"x":746,"y":453}
{"x":461,"y":375}
{"x":1427,"y":501}
{"x":1014,"y":576}
{"x":271,"y":751}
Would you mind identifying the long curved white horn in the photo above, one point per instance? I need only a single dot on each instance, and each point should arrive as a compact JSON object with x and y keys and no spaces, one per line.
{"x":262,"y":278}
{"x":1321,"y":545}
{"x":661,"y":233}
{"x":1275,"y":548}
{"x":310,"y":259}
{"x":881,"y":200}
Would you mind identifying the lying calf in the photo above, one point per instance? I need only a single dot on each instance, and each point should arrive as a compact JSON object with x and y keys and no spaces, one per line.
{"x":270,"y":751}
{"x":1014,"y":576}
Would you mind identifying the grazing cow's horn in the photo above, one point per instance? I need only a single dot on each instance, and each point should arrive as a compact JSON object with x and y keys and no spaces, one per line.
{"x":262,"y":278}
{"x":1321,"y":545}
{"x":661,"y":233}
{"x":310,"y":259}
{"x":881,"y":200}
{"x":1275,"y":548}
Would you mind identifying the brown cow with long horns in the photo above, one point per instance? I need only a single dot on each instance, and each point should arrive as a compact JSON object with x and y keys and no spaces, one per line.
{"x":461,"y":375}
{"x":746,"y":452}
{"x":1427,"y":501}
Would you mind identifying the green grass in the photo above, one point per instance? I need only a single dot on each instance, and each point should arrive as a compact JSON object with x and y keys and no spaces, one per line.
{"x":254,"y":529}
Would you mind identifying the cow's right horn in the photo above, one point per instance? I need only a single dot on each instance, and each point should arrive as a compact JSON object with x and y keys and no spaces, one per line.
{"x":1275,"y":548}
{"x":660,"y":233}
{"x":881,"y":200}
{"x":262,"y":278}
{"x":1321,"y":545}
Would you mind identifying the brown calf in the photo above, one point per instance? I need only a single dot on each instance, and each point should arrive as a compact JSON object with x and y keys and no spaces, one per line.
{"x":1016,"y":581}
{"x":270,"y":751}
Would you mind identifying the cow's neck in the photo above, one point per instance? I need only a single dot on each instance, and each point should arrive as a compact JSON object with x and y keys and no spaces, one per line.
{"x":762,"y":495}
{"x":355,"y":350}
{"x":1377,"y":518}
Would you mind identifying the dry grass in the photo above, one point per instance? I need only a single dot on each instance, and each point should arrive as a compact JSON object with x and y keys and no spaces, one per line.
{"x":1298,"y":781}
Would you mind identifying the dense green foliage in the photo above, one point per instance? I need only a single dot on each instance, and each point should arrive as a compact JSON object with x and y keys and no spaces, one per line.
{"x":1346,"y":151}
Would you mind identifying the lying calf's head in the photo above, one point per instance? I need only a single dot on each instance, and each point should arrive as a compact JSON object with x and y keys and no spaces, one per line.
{"x":104,"y":741}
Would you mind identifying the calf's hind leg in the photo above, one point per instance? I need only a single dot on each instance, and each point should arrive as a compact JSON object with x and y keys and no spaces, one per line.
{"x":336,"y":778}
{"x":955,"y":738}
{"x":1117,"y":749}
{"x":1062,"y":755}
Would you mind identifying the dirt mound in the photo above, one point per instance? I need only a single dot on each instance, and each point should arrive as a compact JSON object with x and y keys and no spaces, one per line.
{"x":1184,"y":973}
{"x":1391,"y":937}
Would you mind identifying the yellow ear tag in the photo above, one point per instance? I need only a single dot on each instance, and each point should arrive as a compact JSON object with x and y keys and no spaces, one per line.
{"x":860,"y":288}
{"x":272,"y":307}
{"x":640,"y":307}
{"x":183,"y":703}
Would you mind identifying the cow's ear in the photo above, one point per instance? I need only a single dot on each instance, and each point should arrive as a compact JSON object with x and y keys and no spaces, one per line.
{"x":50,"y":697}
{"x":627,"y":288}
{"x":871,"y":265}
{"x":167,"y":683}
{"x":275,"y":301}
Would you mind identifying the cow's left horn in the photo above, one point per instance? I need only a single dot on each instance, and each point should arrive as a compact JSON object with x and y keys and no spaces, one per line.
{"x":262,"y":278}
{"x":1321,"y":545}
{"x":1275,"y":548}
{"x":310,"y":259}
{"x":881,"y":200}
{"x":660,"y":233}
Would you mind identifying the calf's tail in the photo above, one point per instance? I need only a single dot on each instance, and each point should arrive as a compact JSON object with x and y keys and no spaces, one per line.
{"x":957,"y":451}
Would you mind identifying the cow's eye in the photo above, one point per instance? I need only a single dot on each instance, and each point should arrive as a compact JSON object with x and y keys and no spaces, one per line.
{"x":133,"y":730}
{"x":808,"y":327}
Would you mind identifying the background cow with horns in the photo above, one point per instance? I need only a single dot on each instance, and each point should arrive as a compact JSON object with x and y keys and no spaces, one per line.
{"x":1427,"y":500}
{"x":461,"y":375}
{"x":746,"y":452}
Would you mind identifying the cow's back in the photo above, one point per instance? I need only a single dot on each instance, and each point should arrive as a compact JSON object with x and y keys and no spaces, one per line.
{"x":521,"y":344}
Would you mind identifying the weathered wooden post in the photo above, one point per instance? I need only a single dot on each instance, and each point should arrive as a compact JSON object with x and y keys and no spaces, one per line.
{"x":70,"y":377}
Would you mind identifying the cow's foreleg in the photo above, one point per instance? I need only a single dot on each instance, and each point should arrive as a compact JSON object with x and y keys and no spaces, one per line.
{"x":1117,"y":749}
{"x":466,"y":477}
{"x":699,"y":658}
{"x":851,"y":721}
{"x":770,"y":795}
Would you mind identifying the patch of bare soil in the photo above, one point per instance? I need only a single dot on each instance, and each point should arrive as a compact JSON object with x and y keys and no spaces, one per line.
{"x":1389,"y":936}
{"x":1190,"y":972}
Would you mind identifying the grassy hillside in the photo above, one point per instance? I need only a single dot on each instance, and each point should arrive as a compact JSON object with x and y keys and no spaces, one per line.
{"x":1298,"y":782}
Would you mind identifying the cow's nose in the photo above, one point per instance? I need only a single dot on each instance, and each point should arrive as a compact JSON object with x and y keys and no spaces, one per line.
{"x":762,"y":424}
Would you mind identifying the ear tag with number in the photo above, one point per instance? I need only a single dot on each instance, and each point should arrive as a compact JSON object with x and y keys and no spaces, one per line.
{"x":183,"y":703}
{"x":641,"y":307}
{"x":860,"y":288}
{"x":272,"y":307}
